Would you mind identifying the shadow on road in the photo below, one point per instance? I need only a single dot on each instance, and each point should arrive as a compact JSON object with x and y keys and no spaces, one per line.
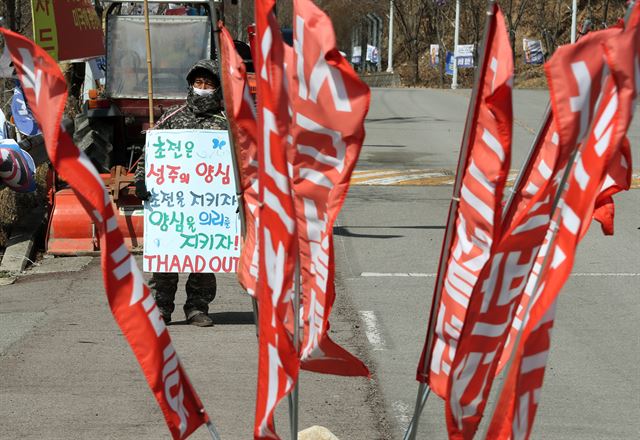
{"x":226,"y":318}
{"x":400,"y":119}
{"x":344,"y":232}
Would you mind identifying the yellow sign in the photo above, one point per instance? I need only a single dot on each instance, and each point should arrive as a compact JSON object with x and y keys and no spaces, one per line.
{"x":45,"y":33}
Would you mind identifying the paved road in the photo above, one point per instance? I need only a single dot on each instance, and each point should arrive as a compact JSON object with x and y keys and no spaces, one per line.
{"x":422,"y":128}
{"x":66,"y":372}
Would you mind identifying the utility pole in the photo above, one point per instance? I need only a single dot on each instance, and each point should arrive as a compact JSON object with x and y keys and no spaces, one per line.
{"x":456,"y":36}
{"x":390,"y":57}
{"x":574,"y":17}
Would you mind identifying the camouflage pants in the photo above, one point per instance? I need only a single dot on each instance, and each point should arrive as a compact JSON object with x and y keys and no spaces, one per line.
{"x":201,"y":290}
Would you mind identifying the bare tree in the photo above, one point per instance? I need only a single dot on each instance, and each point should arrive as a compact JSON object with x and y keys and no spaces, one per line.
{"x":411,"y":15}
{"x":17,"y":15}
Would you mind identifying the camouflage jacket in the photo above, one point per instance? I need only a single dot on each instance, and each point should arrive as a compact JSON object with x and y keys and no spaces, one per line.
{"x":198,"y":113}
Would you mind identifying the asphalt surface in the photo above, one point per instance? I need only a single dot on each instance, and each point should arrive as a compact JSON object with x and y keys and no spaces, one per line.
{"x":66,"y":372}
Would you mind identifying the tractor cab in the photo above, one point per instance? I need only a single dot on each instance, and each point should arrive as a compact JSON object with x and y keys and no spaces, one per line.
{"x":115,"y":113}
{"x":180,"y":36}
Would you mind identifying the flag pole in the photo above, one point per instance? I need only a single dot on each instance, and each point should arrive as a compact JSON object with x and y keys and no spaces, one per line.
{"x":546,"y":120}
{"x":212,"y":430}
{"x":556,"y":210}
{"x":293,"y":396}
{"x":234,"y":158}
{"x":149,"y":65}
{"x":423,"y":392}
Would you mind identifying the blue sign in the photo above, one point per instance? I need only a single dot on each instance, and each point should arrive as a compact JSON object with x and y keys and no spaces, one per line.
{"x":448,"y":67}
{"x":464,"y":62}
{"x":22,"y":116}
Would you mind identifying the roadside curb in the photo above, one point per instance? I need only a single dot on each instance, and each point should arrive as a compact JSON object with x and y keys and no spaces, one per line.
{"x":20,"y":245}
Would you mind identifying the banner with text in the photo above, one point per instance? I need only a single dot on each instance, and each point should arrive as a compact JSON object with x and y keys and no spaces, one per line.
{"x":532,"y":51}
{"x":434,"y":55}
{"x":191,"y":221}
{"x":80,"y":31}
{"x":464,"y":55}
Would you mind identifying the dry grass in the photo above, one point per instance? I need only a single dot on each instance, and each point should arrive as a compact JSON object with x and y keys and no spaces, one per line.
{"x":14,"y":206}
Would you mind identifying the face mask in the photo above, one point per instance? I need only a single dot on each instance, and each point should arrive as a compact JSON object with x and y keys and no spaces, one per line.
{"x":202,"y":92}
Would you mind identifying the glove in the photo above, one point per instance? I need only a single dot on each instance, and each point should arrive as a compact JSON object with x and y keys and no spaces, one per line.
{"x":141,"y":190}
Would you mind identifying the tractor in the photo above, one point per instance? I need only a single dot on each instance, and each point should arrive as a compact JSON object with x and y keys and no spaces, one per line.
{"x":115,"y":113}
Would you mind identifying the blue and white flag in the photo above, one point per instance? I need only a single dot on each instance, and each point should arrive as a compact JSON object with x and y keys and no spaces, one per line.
{"x":22,"y":116}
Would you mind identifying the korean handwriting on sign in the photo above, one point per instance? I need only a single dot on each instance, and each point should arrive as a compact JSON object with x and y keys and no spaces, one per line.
{"x":175,"y":150}
{"x":167,"y":199}
{"x":213,"y":218}
{"x":175,"y":220}
{"x":207,"y":241}
{"x":173,"y":173}
{"x":212,"y":199}
{"x":209,"y":171}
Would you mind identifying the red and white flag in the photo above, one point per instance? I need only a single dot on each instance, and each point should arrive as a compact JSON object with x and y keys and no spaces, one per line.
{"x":620,"y":172}
{"x":130,"y":300}
{"x":278,"y":362}
{"x":478,"y":218}
{"x":618,"y":179}
{"x":241,"y":115}
{"x":604,"y":146}
{"x":519,"y":399}
{"x":497,"y":297}
{"x":329,"y":104}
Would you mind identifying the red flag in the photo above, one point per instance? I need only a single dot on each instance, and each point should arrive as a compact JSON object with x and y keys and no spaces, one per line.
{"x":278,"y":362}
{"x":329,"y":104}
{"x":618,"y":179}
{"x":242,"y":124}
{"x":131,"y":303}
{"x":478,"y":218}
{"x":498,"y":296}
{"x":519,"y":399}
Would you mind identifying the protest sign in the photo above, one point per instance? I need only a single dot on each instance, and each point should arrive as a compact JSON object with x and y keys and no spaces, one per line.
{"x":464,"y":55}
{"x":356,"y":54}
{"x":448,"y":65}
{"x":434,"y":55}
{"x":371,"y":53}
{"x":191,"y":220}
{"x":532,"y":51}
{"x":67,"y":29}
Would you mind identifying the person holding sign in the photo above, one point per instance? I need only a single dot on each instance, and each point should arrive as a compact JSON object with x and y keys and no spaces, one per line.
{"x":202,"y":110}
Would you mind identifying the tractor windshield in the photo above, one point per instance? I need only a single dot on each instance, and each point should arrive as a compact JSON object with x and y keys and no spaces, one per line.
{"x":176,"y":43}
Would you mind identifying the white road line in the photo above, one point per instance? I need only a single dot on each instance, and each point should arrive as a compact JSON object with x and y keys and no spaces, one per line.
{"x":433,"y":275}
{"x":605,"y":274}
{"x":372,"y":329}
{"x":401,"y":410}
{"x":397,"y":274}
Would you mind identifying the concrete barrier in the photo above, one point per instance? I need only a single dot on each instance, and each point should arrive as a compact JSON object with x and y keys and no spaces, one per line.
{"x":381,"y":79}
